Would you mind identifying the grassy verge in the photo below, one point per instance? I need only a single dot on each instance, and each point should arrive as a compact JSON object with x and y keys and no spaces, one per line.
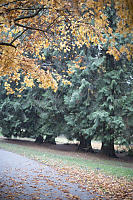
{"x":101,"y":165}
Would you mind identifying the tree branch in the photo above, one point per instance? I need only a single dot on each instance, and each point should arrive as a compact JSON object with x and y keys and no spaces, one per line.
{"x":23,"y":9}
{"x":51,"y":24}
{"x":6,"y":4}
{"x":18,"y":36}
{"x":11,"y":43}
{"x":7,"y":44}
{"x":38,"y":29}
{"x":29,"y":16}
{"x":29,"y":27}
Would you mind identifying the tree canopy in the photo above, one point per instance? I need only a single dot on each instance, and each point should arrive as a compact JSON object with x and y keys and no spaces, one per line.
{"x":29,"y":26}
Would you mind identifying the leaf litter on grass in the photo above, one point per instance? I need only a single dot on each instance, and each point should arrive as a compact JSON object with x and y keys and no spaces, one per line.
{"x":18,"y":175}
{"x":107,"y":186}
{"x":93,"y":181}
{"x":110,"y":187}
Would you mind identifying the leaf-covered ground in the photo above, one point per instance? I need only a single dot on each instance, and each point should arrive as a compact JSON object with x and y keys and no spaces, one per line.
{"x":65,"y":181}
{"x":22,"y":178}
{"x":108,"y":186}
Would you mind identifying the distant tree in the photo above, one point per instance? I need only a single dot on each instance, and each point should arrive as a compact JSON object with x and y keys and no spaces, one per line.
{"x":11,"y":114}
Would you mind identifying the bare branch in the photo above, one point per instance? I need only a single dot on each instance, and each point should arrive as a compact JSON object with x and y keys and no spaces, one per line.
{"x":51,"y":24}
{"x":29,"y":27}
{"x":22,"y":9}
{"x":6,"y":4}
{"x":18,"y":36}
{"x":29,"y":16}
{"x":7,"y":44}
{"x":11,"y":43}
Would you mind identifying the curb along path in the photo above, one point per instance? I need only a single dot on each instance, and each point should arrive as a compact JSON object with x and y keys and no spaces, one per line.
{"x":25,"y":179}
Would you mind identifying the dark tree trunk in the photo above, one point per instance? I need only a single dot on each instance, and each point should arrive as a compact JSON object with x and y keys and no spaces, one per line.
{"x":85,"y":144}
{"x":50,"y":139}
{"x":108,"y":148}
{"x":39,"y":139}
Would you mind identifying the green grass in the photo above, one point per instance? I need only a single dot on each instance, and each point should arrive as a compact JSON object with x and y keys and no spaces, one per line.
{"x":101,"y":165}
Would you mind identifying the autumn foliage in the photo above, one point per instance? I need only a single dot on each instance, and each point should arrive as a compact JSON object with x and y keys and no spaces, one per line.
{"x":28,"y":26}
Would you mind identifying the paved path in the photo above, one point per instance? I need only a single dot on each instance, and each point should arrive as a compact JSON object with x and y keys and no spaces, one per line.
{"x":25,"y":179}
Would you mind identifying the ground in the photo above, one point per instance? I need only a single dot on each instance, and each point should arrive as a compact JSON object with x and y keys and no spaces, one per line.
{"x":22,"y":178}
{"x":54,"y":180}
{"x":70,"y":149}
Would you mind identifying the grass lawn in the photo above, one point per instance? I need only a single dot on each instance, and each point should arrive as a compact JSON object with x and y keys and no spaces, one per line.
{"x":52,"y":157}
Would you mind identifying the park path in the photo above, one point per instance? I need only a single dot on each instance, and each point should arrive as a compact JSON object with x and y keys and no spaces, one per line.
{"x":25,"y":179}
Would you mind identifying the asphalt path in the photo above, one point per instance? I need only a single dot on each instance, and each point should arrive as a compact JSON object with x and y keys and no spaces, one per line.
{"x":25,"y":179}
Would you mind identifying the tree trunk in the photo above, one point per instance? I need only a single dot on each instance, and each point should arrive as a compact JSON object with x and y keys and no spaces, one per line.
{"x":50,"y":139}
{"x":108,"y":148}
{"x":85,"y":144}
{"x":39,"y":139}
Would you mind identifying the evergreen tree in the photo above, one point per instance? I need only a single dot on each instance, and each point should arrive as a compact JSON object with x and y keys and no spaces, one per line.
{"x":112,"y":86}
{"x":81,"y":96}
